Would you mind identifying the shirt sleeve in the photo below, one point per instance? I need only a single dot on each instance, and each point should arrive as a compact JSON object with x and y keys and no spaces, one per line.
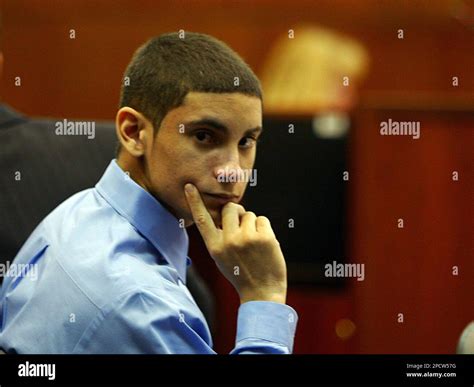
{"x":265,"y":327}
{"x":144,"y":323}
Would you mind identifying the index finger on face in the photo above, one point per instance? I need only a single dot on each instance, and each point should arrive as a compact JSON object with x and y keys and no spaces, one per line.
{"x":201,"y":215}
{"x":231,"y":214}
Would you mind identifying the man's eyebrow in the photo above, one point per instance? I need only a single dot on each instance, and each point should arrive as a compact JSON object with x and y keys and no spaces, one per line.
{"x":217,"y":125}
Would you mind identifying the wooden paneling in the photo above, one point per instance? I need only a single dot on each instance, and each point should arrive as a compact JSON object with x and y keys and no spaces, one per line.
{"x":410,"y":270}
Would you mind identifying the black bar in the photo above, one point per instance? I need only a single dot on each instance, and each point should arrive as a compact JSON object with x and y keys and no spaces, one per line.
{"x":223,"y":369}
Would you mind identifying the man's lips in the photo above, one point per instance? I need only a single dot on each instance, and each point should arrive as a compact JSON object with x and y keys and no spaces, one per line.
{"x":222,"y":198}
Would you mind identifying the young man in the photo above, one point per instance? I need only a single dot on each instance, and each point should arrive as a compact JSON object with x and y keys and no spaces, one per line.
{"x":105,"y":271}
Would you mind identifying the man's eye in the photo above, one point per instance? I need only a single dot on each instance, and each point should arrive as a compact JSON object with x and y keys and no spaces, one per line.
{"x":248,"y":142}
{"x":204,"y":137}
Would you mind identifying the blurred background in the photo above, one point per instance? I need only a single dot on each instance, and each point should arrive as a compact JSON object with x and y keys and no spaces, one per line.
{"x":335,"y":70}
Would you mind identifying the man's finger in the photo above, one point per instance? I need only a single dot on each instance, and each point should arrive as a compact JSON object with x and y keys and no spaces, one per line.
{"x":201,"y":215}
{"x":231,"y":214}
{"x":264,"y":226}
{"x":248,"y":222}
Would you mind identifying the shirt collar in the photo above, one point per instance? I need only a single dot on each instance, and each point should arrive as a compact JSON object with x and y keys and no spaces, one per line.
{"x":147,"y":215}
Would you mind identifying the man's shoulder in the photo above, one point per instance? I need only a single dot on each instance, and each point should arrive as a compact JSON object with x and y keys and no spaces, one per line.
{"x":104,"y":256}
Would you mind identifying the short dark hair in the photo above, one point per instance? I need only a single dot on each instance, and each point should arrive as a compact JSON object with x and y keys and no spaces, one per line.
{"x":167,"y":67}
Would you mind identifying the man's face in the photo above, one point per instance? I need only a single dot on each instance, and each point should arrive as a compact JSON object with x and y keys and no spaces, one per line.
{"x":208,"y":134}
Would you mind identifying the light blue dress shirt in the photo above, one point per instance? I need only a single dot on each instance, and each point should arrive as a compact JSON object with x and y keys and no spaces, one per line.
{"x":105,"y":272}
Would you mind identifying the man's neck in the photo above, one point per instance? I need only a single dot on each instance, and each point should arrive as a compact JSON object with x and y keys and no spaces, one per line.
{"x":135,"y":168}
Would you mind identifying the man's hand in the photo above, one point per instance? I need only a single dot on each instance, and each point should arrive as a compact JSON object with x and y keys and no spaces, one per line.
{"x":245,"y":250}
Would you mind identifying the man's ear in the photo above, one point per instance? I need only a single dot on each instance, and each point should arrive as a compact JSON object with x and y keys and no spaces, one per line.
{"x":133,"y":129}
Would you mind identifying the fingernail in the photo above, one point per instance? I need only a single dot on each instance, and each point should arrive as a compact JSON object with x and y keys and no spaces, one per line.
{"x":189,"y":188}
